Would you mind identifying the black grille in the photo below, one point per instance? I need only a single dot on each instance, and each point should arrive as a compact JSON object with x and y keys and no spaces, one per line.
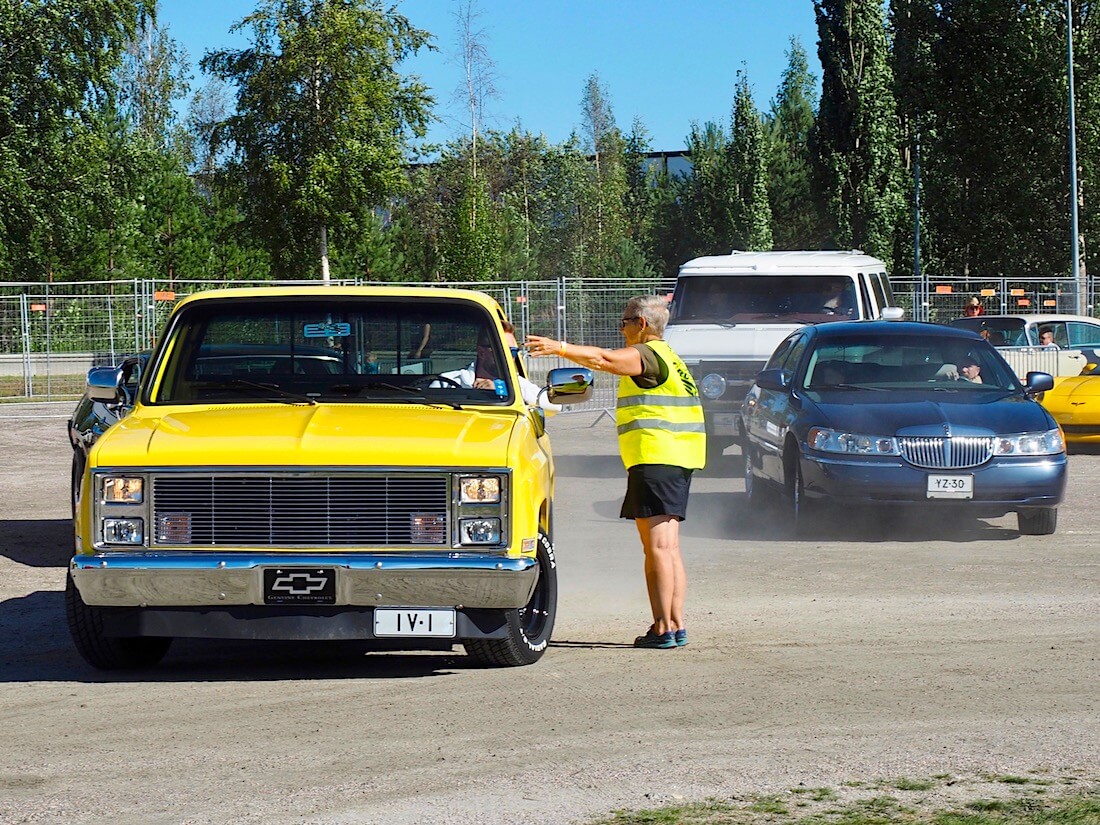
{"x":733,"y":371}
{"x":259,"y":511}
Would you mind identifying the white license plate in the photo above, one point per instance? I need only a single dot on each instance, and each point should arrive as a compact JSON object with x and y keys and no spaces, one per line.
{"x":951,"y":486}
{"x":414,"y":621}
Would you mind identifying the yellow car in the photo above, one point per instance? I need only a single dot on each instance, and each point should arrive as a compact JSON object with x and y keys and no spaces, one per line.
{"x":1075,"y":405}
{"x":321,"y":463}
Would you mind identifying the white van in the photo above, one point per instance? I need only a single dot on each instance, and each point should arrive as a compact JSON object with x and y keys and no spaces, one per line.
{"x":729,"y":312}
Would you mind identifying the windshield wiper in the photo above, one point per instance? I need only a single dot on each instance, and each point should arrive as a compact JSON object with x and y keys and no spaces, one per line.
{"x":241,"y":383}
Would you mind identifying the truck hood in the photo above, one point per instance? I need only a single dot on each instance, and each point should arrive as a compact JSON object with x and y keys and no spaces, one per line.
{"x":726,"y":342}
{"x":323,"y":435}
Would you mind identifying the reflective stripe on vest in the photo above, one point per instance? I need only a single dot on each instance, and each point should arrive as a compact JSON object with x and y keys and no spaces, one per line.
{"x":663,"y":425}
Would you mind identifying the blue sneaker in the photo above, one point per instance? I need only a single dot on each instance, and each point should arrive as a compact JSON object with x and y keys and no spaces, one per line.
{"x":681,"y":637}
{"x":663,"y":641}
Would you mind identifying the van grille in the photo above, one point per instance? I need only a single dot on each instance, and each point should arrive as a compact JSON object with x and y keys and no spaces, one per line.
{"x":955,"y":453}
{"x":296,"y":510}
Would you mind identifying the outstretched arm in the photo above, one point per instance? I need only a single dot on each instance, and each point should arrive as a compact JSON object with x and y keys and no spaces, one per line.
{"x":623,"y":361}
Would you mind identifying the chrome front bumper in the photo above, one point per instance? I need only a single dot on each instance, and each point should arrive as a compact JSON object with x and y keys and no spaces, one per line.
{"x":189,"y":579}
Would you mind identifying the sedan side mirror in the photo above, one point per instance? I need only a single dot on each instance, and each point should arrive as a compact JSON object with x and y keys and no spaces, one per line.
{"x":569,"y":385}
{"x":1038,"y":382}
{"x":776,"y":380}
{"x":104,"y":384}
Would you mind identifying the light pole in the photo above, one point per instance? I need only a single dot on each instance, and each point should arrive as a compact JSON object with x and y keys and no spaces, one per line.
{"x":1078,"y":285}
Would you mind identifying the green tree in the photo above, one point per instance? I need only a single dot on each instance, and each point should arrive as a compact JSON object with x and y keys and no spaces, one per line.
{"x":856,"y":130}
{"x":796,"y":217}
{"x":322,"y":118}
{"x":56,"y":64}
{"x":747,"y":157}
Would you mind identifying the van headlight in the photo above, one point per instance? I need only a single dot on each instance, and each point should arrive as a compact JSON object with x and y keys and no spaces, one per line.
{"x":712,"y":386}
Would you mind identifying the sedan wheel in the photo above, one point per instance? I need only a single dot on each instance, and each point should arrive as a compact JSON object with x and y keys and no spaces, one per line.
{"x":1039,"y":522}
{"x":801,"y":510}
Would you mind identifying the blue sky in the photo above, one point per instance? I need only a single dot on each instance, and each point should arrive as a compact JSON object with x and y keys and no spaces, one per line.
{"x":666,"y":62}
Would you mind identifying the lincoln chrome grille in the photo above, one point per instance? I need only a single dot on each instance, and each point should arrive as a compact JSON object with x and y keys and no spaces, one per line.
{"x":260,"y":511}
{"x":955,"y":453}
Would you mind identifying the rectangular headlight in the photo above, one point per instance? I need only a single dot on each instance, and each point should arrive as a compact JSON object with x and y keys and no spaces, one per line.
{"x":480,"y":530}
{"x":123,"y":489}
{"x":123,"y":531}
{"x":480,"y":489}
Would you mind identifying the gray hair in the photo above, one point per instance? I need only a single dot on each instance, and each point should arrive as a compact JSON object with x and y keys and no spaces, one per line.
{"x":653,"y":308}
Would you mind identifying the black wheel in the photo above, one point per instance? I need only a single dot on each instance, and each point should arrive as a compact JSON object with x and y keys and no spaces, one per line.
{"x":530,"y":626}
{"x":107,"y":652}
{"x":801,"y":511}
{"x":431,"y":379}
{"x":754,"y":490}
{"x":1039,"y":522}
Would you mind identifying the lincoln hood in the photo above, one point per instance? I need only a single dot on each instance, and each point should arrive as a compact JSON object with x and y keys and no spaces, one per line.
{"x":963,"y":417}
{"x":320,"y":435}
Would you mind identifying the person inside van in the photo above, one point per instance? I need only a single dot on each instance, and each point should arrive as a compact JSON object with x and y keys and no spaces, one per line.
{"x":1046,"y":338}
{"x":837,"y":299}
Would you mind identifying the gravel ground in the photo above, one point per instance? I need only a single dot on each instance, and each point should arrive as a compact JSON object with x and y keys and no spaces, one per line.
{"x":874,"y":651}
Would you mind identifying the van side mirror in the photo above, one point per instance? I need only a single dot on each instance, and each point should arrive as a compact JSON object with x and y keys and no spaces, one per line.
{"x":893,"y":313}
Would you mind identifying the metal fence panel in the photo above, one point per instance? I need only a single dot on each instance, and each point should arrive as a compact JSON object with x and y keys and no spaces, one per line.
{"x":50,"y":334}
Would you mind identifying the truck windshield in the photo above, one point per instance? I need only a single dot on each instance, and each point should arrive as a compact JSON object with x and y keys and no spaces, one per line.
{"x":348,"y":350}
{"x":720,"y":299}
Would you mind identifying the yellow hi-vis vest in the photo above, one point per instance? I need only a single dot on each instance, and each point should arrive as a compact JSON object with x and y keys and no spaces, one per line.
{"x":663,"y":425}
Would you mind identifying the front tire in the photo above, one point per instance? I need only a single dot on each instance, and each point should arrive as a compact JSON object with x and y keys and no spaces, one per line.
{"x":802,"y":511}
{"x":1038,"y":522}
{"x":102,"y":651}
{"x":530,"y":626}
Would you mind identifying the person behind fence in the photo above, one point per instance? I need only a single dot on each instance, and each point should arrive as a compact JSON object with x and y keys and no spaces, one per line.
{"x":1046,"y":338}
{"x":973,"y":308}
{"x":662,"y":440}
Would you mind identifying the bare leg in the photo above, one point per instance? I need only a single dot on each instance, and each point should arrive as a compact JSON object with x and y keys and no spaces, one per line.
{"x":666,"y":579}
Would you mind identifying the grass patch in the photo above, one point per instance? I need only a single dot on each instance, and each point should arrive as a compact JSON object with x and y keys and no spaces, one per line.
{"x":1081,"y":809}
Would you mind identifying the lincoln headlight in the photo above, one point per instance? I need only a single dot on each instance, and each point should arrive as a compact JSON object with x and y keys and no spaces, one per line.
{"x":1045,"y":443}
{"x":834,"y":441}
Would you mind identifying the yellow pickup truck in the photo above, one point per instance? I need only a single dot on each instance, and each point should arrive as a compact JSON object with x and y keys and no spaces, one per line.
{"x":321,"y":463}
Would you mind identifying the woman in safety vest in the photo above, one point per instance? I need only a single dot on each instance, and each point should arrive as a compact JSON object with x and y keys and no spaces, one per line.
{"x":661,"y":439}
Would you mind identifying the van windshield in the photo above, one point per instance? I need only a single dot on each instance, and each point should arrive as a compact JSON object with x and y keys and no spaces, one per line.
{"x":765,"y":299}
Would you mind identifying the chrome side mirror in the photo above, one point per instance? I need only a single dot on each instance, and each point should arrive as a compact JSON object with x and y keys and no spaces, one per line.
{"x":893,"y":313}
{"x":569,"y":385}
{"x":104,"y":384}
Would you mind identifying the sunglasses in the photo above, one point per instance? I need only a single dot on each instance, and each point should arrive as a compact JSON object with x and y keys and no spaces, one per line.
{"x":624,"y":321}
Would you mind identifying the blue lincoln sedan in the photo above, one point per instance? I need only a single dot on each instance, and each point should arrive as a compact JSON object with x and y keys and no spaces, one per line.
{"x":890,"y":413}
